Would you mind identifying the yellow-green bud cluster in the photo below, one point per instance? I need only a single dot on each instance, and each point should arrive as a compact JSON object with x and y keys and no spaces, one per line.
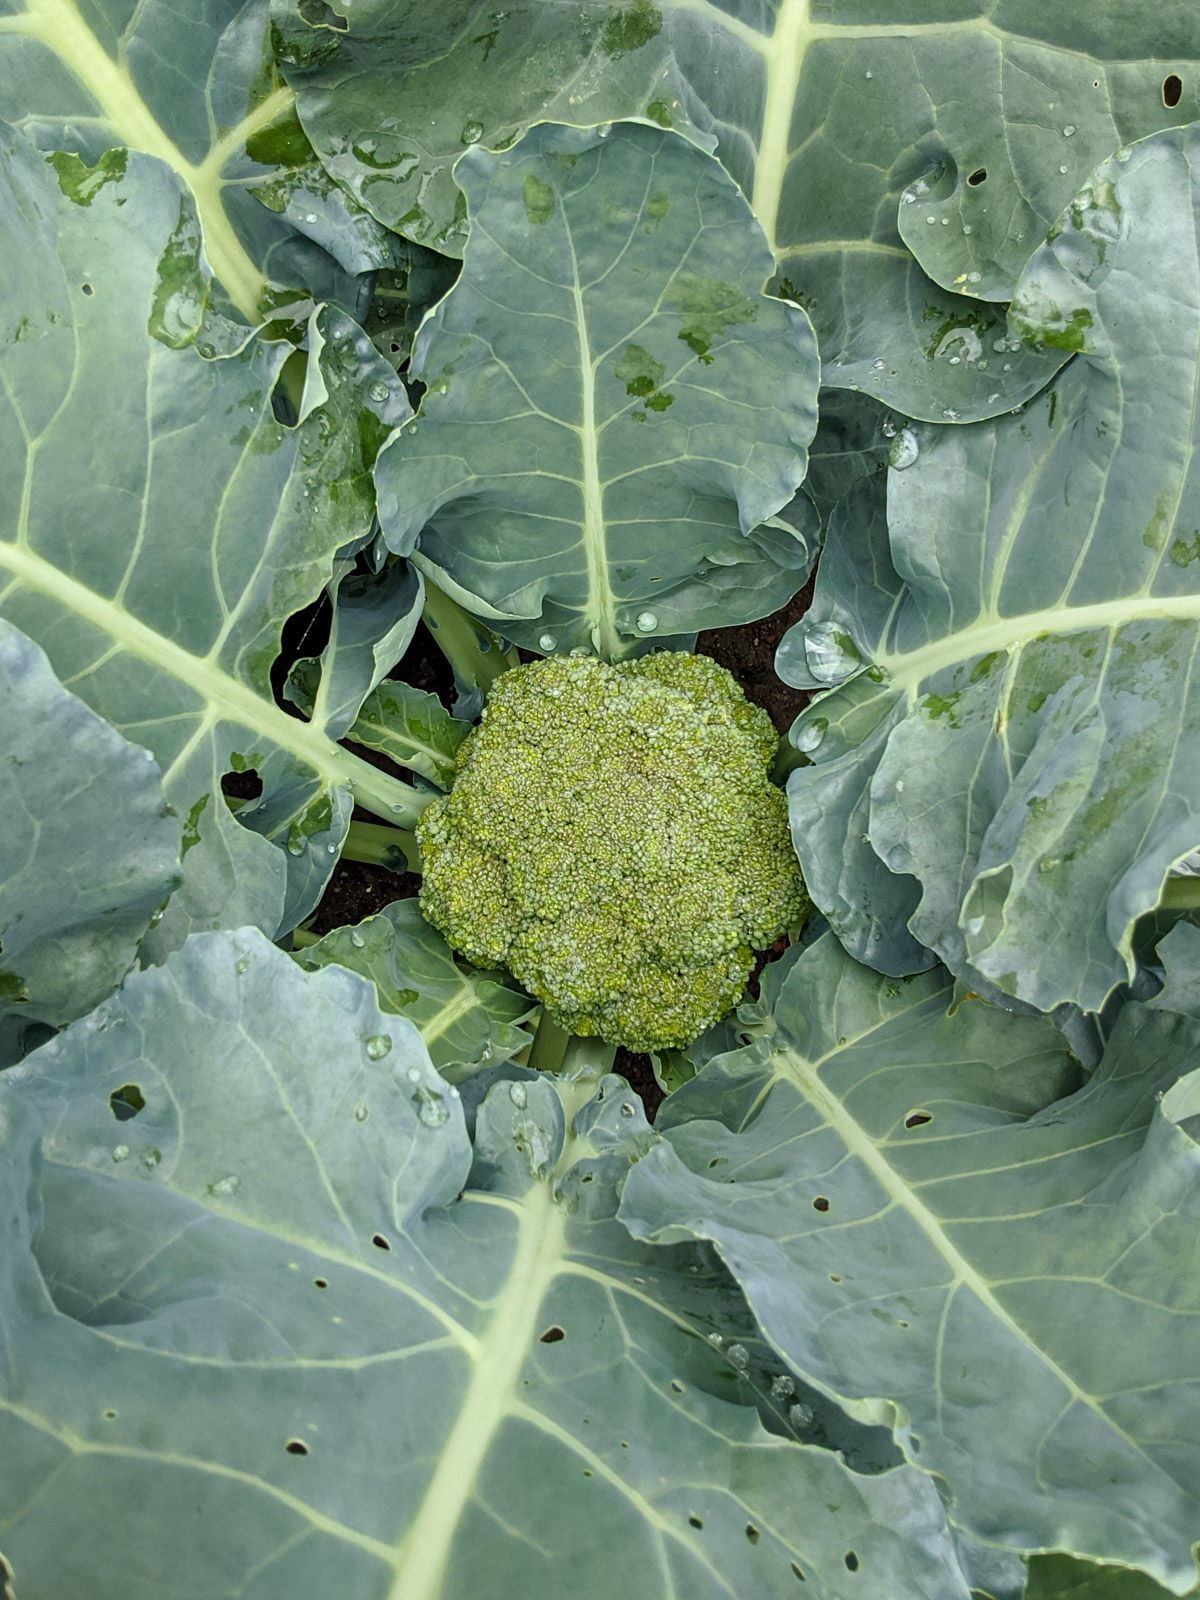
{"x":614,"y":838}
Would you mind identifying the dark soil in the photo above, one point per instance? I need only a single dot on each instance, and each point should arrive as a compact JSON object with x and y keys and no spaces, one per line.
{"x":356,"y":891}
{"x":749,"y":653}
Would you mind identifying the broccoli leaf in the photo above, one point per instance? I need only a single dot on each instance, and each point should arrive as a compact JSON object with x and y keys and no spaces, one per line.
{"x":373,"y":619}
{"x":615,"y":412}
{"x":1013,"y":773}
{"x":88,"y":852}
{"x":158,"y":524}
{"x":305,"y":1346}
{"x":1065,"y":1578}
{"x":466,"y":1019}
{"x":200,"y":92}
{"x":875,"y":140}
{"x":919,"y":1220}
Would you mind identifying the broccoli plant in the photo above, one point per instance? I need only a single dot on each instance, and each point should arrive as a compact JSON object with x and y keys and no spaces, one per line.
{"x":614,"y":839}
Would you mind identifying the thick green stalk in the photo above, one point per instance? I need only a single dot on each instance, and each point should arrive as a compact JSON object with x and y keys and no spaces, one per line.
{"x":380,"y":846}
{"x":477,"y":656}
{"x":549,"y":1046}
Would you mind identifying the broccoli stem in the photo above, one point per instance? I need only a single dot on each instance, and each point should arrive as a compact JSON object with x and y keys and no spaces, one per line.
{"x":477,"y":655}
{"x":556,"y":1050}
{"x":380,"y":846}
{"x":549,"y":1046}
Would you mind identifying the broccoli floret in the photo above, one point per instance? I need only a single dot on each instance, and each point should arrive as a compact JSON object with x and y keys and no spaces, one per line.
{"x":614,"y":839}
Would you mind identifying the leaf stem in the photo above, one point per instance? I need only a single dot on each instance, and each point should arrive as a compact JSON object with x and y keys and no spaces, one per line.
{"x":549,"y":1046}
{"x":477,"y":655}
{"x":378,"y":845}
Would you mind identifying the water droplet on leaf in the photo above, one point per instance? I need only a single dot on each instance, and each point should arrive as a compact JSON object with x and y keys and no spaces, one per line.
{"x":378,"y":1045}
{"x":905,"y":450}
{"x":830,"y":653}
{"x":430,"y":1108}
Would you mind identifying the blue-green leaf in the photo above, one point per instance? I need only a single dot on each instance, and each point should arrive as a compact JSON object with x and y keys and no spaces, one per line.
{"x":89,"y":851}
{"x":934,"y":1223}
{"x":615,"y":412}
{"x":380,"y":1369}
{"x":1016,"y":742}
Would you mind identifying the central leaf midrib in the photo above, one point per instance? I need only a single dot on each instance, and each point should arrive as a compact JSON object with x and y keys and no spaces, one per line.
{"x":806,"y":1079}
{"x":459,"y":1005}
{"x":908,"y":670}
{"x":61,"y":27}
{"x":384,"y":795}
{"x":602,"y":606}
{"x":425,"y":1550}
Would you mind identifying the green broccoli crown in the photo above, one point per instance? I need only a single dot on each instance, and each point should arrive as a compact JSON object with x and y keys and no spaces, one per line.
{"x":614,"y":839}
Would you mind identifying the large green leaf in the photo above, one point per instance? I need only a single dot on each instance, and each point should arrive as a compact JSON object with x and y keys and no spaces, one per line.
{"x":198,"y":89}
{"x":1017,"y":772}
{"x":615,"y":412}
{"x":918,"y":1219}
{"x":304,"y":1348}
{"x":158,"y":523}
{"x":88,"y":852}
{"x":865,"y":133}
{"x":467,"y":1019}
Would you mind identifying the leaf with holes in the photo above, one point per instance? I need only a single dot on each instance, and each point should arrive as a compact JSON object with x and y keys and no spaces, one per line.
{"x":301,"y":1306}
{"x":88,"y":853}
{"x":905,"y":161}
{"x":1012,"y":761}
{"x":920,"y":1221}
{"x":615,"y":412}
{"x":159,"y":524}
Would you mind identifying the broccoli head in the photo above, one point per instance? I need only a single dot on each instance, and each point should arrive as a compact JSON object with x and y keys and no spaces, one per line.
{"x":614,"y":839}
